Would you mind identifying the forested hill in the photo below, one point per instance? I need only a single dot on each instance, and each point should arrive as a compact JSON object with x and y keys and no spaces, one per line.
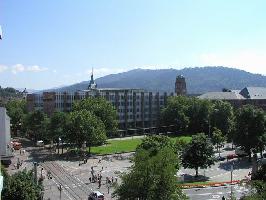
{"x":199,"y":80}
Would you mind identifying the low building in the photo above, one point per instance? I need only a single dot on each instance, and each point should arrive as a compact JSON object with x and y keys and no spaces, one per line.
{"x":249,"y":95}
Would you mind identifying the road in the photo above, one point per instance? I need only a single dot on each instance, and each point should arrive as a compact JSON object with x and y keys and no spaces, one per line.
{"x":72,"y":187}
{"x":215,"y":193}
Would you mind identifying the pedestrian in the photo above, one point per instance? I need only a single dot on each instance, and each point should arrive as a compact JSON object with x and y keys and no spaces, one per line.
{"x":100,"y":184}
{"x":90,"y":179}
{"x":20,"y":151}
{"x":112,"y":179}
{"x":223,"y":198}
{"x":116,"y":179}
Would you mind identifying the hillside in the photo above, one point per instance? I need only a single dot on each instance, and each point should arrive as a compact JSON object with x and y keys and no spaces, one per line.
{"x":199,"y":80}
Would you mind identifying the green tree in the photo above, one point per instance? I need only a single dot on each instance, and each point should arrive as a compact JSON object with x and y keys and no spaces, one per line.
{"x":175,"y":112}
{"x":199,"y":115}
{"x":155,"y":143}
{"x":198,"y":153}
{"x":250,"y":126}
{"x":151,"y":177}
{"x":222,"y":116}
{"x":58,"y":127}
{"x":21,"y":186}
{"x":84,"y":126}
{"x":36,"y":124}
{"x":218,"y":139}
{"x":103,"y":109}
{"x":16,"y":109}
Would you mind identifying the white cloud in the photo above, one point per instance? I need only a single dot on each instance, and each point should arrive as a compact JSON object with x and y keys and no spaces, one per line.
{"x":3,"y":68}
{"x":248,"y":60}
{"x":21,"y":68}
{"x":17,"y":68}
{"x":36,"y":68}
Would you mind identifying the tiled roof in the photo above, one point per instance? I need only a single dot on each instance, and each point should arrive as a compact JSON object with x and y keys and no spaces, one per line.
{"x":221,"y":96}
{"x":254,"y":92}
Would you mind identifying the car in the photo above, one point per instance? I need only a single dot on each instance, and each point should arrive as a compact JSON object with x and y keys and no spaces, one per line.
{"x":231,"y":156}
{"x":220,"y":158}
{"x":96,"y":195}
{"x":240,"y":152}
{"x":40,"y":143}
{"x":262,"y":160}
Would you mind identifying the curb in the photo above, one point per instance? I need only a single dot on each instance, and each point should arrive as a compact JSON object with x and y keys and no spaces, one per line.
{"x":212,"y":184}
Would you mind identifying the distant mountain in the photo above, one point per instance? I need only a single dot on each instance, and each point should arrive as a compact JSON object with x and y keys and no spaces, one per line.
{"x":199,"y":80}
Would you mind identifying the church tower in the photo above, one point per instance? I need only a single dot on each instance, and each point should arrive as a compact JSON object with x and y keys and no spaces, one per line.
{"x":180,"y":85}
{"x":92,"y":84}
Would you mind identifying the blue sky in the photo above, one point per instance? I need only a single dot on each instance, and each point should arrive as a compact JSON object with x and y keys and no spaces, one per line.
{"x":51,"y":43}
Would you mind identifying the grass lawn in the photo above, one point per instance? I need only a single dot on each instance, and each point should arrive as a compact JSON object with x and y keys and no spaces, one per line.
{"x":122,"y":146}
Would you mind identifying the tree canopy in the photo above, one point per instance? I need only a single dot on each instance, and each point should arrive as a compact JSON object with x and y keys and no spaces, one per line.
{"x":16,"y":110}
{"x":84,"y":126}
{"x":151,"y":177}
{"x":198,"y":153}
{"x":21,"y":186}
{"x":36,"y":124}
{"x":250,"y":126}
{"x":102,"y":109}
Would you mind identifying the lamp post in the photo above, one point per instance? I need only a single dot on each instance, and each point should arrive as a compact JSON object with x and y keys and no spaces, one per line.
{"x":232,"y":168}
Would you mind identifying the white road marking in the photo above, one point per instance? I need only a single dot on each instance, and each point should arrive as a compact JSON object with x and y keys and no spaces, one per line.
{"x":216,"y":196}
{"x":62,"y":190}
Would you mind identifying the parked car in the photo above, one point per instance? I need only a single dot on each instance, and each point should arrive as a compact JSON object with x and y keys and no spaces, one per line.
{"x":40,"y":143}
{"x":231,"y":156}
{"x":220,"y":158}
{"x":96,"y":195}
{"x":17,"y":145}
{"x":240,"y":152}
{"x":262,"y":160}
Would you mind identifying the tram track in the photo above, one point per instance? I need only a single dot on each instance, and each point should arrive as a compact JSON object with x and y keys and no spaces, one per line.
{"x":76,"y":189}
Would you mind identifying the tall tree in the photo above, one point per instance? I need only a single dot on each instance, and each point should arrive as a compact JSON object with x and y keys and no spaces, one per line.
{"x":84,"y":126}
{"x":58,"y":127}
{"x":199,"y":115}
{"x":250,"y":126}
{"x":198,"y":153}
{"x":155,"y":143}
{"x":103,"y":109}
{"x":218,"y":139}
{"x":21,"y":186}
{"x":151,"y":177}
{"x":175,"y":112}
{"x":222,"y":116}
{"x":36,"y":124}
{"x":16,"y":109}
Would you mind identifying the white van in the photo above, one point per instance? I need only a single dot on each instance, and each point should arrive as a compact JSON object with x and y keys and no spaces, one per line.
{"x":40,"y":143}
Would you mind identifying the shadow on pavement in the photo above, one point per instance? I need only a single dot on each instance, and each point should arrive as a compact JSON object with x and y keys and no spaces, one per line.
{"x":239,"y":163}
{"x":189,"y":178}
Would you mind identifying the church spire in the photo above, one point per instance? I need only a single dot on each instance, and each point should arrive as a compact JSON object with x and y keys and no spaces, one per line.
{"x":92,"y":84}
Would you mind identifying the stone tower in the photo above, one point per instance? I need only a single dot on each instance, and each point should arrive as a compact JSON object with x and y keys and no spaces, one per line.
{"x":180,"y":85}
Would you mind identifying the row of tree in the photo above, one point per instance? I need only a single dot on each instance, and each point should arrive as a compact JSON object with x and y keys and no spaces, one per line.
{"x":91,"y":121}
{"x":245,"y":126}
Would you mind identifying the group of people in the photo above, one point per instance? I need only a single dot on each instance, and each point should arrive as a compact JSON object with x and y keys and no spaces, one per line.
{"x":98,"y":178}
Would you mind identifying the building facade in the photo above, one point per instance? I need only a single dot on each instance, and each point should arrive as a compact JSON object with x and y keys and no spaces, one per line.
{"x":5,"y":138}
{"x":136,"y":108}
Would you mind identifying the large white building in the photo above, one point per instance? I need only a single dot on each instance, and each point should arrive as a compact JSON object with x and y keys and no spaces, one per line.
{"x":5,"y":138}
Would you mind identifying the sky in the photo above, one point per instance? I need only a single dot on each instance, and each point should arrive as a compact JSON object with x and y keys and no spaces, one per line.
{"x":52,"y":43}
